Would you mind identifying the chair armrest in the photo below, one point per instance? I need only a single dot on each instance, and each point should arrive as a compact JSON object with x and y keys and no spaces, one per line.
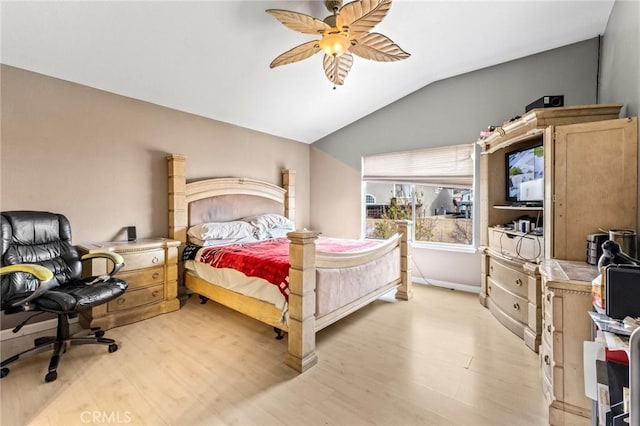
{"x":41,"y":273}
{"x":118,"y":261}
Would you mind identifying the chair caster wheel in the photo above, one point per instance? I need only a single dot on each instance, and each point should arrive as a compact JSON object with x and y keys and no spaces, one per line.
{"x":113,"y":347}
{"x":4,"y":372}
{"x":51,"y":376}
{"x":99,"y":333}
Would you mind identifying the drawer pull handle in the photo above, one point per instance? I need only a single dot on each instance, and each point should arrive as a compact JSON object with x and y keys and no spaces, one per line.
{"x":489,"y":289}
{"x":120,"y":301}
{"x":548,"y":297}
{"x":155,"y":260}
{"x":519,"y":282}
{"x":547,"y":360}
{"x":491,"y":268}
{"x":155,"y":276}
{"x":549,"y":328}
{"x":155,"y":293}
{"x":516,"y":306}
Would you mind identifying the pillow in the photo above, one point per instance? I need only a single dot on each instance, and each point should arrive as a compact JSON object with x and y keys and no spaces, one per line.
{"x":233,"y":230}
{"x":220,"y":242}
{"x":277,"y":233}
{"x":270,"y":221}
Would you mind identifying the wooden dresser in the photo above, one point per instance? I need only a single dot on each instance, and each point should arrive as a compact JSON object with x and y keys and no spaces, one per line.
{"x":151,"y":270}
{"x":566,"y":325}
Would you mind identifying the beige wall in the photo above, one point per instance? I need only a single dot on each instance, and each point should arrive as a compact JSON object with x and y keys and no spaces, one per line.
{"x":99,"y":158}
{"x":333,"y":186}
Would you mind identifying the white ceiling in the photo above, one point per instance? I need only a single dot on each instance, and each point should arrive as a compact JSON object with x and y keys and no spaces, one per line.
{"x":211,"y":58}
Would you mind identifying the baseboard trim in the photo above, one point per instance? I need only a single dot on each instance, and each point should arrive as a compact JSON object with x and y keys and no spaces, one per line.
{"x":447,"y":284}
{"x":34,"y":328}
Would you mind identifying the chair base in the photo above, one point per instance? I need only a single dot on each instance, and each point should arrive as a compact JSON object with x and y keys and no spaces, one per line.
{"x":59,"y":343}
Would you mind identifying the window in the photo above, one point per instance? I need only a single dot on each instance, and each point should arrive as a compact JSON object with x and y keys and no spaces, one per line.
{"x":431,"y":187}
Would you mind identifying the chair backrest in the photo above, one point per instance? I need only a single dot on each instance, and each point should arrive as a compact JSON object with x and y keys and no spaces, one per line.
{"x":41,"y":238}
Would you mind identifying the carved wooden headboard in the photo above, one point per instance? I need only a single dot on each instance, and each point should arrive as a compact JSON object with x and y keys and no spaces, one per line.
{"x":222,"y":199}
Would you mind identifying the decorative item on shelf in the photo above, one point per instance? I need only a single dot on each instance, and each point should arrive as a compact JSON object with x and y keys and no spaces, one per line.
{"x":486,"y":132}
{"x":344,"y":32}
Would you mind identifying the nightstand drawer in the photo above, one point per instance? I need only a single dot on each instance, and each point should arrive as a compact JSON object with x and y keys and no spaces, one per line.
{"x":144,"y":259}
{"x":142,"y":277}
{"x":510,"y":279}
{"x":138,"y":297}
{"x":512,"y":304}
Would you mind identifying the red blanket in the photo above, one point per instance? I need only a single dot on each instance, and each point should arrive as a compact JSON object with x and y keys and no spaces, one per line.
{"x":269,"y":259}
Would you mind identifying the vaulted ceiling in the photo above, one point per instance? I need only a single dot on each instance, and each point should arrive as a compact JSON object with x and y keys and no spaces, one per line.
{"x":211,"y":58}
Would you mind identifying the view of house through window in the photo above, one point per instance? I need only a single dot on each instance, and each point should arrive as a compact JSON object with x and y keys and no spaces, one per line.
{"x":430,"y":187}
{"x":439,"y":214}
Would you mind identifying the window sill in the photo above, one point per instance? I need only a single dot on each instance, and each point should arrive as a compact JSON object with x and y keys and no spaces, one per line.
{"x":458,"y":248}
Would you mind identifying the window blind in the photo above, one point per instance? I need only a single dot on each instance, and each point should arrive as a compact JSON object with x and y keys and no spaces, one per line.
{"x":449,"y":166}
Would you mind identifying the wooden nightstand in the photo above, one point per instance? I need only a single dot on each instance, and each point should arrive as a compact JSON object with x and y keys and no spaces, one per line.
{"x":150,"y":269}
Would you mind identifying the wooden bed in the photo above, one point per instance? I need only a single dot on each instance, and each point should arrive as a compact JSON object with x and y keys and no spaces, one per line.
{"x":225,"y":199}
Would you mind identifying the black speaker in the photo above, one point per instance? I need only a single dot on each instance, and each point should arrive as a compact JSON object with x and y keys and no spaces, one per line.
{"x":131,"y":233}
{"x":546,"y":102}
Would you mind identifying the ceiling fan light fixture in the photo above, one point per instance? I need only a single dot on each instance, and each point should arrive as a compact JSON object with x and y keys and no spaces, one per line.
{"x":334,"y":42}
{"x":345,"y":33}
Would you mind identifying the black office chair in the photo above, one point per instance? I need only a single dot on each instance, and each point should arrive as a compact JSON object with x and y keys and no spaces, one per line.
{"x":41,"y":272}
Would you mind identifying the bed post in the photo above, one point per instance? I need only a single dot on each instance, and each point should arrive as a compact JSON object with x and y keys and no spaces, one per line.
{"x":177,"y":187}
{"x":289,"y":184}
{"x":405,"y":291}
{"x":302,"y":300}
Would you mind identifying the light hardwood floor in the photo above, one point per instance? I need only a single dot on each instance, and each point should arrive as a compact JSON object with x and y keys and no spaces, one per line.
{"x":439,"y":359}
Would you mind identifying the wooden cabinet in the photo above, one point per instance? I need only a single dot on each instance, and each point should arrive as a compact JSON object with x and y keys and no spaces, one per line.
{"x":566,"y":325}
{"x":590,"y":183}
{"x":593,"y":183}
{"x":150,"y":269}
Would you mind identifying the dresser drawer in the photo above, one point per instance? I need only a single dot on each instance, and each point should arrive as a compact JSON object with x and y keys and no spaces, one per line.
{"x":553,"y":309}
{"x":142,"y":277}
{"x":547,"y":329}
{"x":553,"y":339}
{"x":135,"y":298}
{"x":510,"y":279}
{"x":546,"y":362}
{"x":512,"y":304}
{"x":144,"y":259}
{"x":552,"y":372}
{"x":547,"y":389}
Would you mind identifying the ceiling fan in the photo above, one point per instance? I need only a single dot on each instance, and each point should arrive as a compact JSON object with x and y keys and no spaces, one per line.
{"x":343,"y":33}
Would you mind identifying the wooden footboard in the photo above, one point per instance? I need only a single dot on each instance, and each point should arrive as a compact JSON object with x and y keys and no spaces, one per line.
{"x":304,"y":262}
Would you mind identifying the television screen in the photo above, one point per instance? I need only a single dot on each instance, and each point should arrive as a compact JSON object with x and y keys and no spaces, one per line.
{"x":525,"y":174}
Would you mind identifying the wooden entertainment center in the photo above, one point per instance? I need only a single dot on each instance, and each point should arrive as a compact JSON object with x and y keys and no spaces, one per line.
{"x":590,"y":184}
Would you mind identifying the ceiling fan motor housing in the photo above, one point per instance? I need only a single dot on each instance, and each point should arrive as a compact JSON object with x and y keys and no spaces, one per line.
{"x":333,"y":5}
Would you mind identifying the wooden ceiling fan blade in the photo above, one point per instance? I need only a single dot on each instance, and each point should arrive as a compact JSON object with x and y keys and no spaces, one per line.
{"x":336,"y":68}
{"x":377,"y":47}
{"x":299,"y":21}
{"x":362,"y":15}
{"x":298,"y":53}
